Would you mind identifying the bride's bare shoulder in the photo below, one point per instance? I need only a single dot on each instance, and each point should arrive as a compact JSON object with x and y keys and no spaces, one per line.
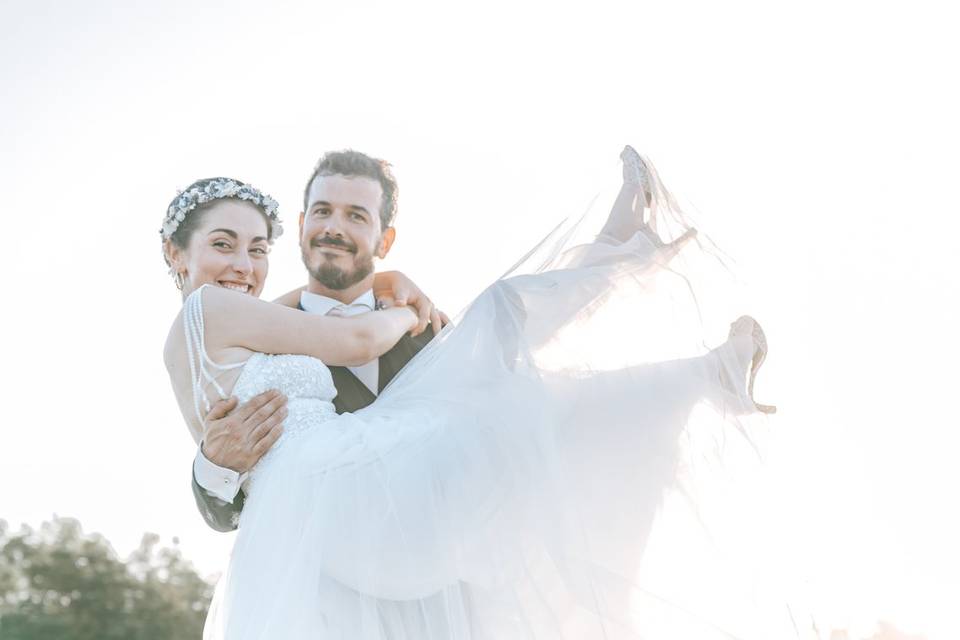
{"x":173,"y":346}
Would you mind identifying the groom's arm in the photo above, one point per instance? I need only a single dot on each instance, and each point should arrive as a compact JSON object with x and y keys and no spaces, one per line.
{"x":234,"y":441}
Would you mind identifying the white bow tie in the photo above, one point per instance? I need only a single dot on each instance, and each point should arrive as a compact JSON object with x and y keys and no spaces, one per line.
{"x":315,"y":303}
{"x":347,"y":310}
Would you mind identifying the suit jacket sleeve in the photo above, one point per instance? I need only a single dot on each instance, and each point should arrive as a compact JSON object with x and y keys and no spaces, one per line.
{"x":218,"y":514}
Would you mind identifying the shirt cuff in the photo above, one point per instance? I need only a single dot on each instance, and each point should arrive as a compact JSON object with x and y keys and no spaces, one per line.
{"x":218,"y":481}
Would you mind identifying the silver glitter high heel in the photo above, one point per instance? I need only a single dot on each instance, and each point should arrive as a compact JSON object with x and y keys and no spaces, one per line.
{"x":759,"y":355}
{"x":635,"y":171}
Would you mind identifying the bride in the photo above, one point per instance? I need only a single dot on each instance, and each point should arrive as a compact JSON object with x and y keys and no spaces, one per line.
{"x":504,"y":485}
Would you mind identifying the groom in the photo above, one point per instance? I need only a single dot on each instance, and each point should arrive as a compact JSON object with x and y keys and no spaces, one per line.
{"x":349,"y":205}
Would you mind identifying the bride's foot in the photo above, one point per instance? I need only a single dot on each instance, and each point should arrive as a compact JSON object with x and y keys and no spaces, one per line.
{"x":747,"y":327}
{"x":636,"y":173}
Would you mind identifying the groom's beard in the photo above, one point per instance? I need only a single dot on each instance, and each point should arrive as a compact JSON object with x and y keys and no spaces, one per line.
{"x":332,"y":276}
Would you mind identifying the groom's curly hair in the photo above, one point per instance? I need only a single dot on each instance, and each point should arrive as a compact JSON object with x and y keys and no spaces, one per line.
{"x":354,"y":164}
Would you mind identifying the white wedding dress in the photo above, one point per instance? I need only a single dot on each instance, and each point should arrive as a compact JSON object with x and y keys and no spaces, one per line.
{"x":504,"y":485}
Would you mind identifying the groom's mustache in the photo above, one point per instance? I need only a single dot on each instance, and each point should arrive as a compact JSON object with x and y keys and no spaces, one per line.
{"x":333,"y":242}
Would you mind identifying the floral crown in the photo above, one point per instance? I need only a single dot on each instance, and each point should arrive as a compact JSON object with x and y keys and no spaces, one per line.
{"x":217,"y":189}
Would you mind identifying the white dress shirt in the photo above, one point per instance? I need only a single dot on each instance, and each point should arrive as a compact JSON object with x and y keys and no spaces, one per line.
{"x":224,"y":483}
{"x":369,"y":373}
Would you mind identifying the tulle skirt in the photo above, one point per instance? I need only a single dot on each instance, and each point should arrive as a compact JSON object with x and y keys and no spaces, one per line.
{"x":510,"y":480}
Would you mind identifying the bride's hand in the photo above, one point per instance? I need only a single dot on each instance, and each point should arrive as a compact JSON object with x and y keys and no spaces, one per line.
{"x":393,"y":289}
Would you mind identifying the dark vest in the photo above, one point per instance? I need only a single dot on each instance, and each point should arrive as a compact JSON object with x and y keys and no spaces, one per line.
{"x":353,"y":395}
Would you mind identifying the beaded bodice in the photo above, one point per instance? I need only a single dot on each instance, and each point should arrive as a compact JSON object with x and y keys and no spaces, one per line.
{"x":305,"y":381}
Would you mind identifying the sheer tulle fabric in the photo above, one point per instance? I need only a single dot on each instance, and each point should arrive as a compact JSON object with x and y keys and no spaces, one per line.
{"x":507,"y":483}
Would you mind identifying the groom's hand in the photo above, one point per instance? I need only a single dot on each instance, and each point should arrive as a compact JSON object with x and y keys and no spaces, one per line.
{"x":239,"y":439}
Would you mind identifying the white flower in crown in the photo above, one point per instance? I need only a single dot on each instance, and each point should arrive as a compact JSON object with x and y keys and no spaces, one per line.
{"x":183,"y":201}
{"x":246,"y":192}
{"x":221,"y":188}
{"x":270,"y":205}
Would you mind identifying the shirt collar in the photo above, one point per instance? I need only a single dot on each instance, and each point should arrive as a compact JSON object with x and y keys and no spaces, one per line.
{"x":315,"y":303}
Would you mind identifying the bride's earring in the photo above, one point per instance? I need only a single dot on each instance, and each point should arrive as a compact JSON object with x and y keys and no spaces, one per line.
{"x":178,"y":279}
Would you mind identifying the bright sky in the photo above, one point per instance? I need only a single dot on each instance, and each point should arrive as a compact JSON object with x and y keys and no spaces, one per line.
{"x":817,"y":142}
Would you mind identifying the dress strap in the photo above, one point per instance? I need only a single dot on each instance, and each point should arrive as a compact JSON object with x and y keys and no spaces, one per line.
{"x":200,"y":362}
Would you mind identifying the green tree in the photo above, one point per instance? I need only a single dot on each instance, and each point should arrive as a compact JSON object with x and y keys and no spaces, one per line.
{"x":57,"y":583}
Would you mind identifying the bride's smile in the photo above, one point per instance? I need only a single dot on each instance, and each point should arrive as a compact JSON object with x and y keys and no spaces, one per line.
{"x":235,"y":286}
